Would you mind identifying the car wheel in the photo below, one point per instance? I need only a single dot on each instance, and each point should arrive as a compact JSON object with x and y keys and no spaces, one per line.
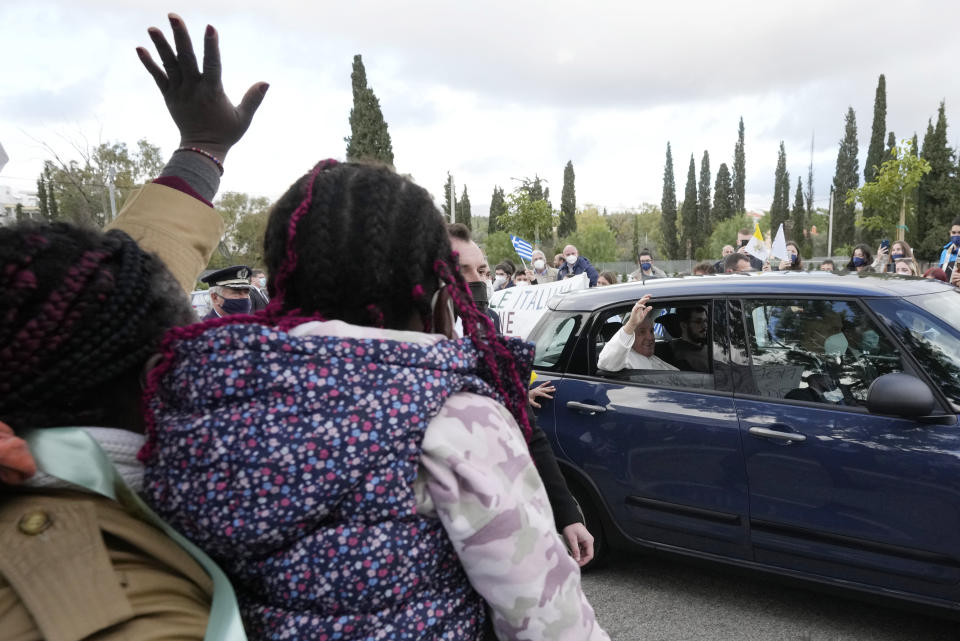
{"x":591,"y":519}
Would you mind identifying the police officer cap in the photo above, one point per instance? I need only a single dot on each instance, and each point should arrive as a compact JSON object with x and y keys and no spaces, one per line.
{"x":236,"y":277}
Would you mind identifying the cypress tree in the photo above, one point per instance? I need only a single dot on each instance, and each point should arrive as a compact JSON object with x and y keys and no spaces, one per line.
{"x":703,"y":197}
{"x":546,"y":197}
{"x":809,"y":194}
{"x":916,"y":145}
{"x":780,"y":208}
{"x":891,"y":152}
{"x":446,"y":199}
{"x":21,"y":215}
{"x":369,"y":138}
{"x":535,"y":189}
{"x":798,"y":215}
{"x":722,"y":195}
{"x":845,"y":178}
{"x":668,"y":210}
{"x":52,"y":205}
{"x":636,"y":236}
{"x":498,"y":206}
{"x":463,"y":210}
{"x":690,"y":226}
{"x":42,"y":199}
{"x":568,"y":203}
{"x":739,"y":173}
{"x":937,"y":192}
{"x":878,"y":133}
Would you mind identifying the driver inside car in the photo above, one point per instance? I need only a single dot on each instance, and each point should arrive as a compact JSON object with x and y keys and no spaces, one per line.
{"x":633,"y":345}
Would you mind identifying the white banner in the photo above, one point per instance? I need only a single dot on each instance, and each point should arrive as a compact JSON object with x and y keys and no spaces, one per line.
{"x":521,"y":307}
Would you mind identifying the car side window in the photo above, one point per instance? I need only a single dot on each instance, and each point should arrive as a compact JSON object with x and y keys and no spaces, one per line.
{"x":822,"y":351}
{"x":673,"y":352}
{"x":554,"y":338}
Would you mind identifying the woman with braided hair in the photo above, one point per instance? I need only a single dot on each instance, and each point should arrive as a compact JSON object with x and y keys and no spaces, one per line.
{"x":83,"y":313}
{"x":355,"y":469}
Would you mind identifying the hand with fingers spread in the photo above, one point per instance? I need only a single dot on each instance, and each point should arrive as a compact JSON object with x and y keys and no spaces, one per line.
{"x":206,"y":118}
{"x":544,"y":391}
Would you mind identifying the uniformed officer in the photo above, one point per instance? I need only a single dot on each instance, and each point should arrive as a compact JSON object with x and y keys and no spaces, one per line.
{"x":229,"y":291}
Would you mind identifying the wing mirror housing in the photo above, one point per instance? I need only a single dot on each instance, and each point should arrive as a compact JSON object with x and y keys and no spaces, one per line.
{"x":901,"y":395}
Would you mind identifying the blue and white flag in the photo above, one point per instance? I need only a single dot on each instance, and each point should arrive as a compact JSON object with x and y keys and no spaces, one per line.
{"x":522,"y":247}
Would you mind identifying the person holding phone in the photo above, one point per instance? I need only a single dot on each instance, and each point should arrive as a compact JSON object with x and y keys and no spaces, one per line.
{"x":948,"y":255}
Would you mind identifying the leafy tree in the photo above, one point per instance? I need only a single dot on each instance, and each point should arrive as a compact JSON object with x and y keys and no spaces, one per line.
{"x":497,"y":247}
{"x":722,"y":196}
{"x":534,"y":188}
{"x":937,"y":192}
{"x":245,"y":221}
{"x":668,"y":207}
{"x":20,"y":214}
{"x":797,"y":217}
{"x":846,"y":177}
{"x":593,"y":239}
{"x":463,"y":209}
{"x":725,"y":233}
{"x":890,"y":195}
{"x":780,"y":208}
{"x":77,"y":190}
{"x":878,"y":133}
{"x":498,"y":207}
{"x":445,"y":206}
{"x":568,"y":203}
{"x":739,"y":173}
{"x":690,"y":225}
{"x":369,"y":138}
{"x":42,"y":198}
{"x":703,"y":195}
{"x":525,"y":217}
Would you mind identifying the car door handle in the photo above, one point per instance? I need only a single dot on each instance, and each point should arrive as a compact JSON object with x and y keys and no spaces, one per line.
{"x":790,"y":437}
{"x":586,"y":407}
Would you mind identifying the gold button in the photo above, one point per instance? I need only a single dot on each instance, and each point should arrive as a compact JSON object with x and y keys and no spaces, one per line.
{"x":33,"y":523}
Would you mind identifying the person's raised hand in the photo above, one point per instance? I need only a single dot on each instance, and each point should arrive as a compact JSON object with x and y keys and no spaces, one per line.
{"x":544,"y":391}
{"x":201,"y":110}
{"x":637,"y":314}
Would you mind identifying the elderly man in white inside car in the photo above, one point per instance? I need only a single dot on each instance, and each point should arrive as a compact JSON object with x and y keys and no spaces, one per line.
{"x":632,"y":346}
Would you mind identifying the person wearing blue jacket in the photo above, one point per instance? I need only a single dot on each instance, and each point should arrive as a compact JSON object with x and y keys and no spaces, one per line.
{"x":948,"y":256}
{"x":576,"y":264}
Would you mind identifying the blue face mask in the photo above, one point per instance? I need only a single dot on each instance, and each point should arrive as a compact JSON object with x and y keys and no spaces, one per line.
{"x":858,"y":262}
{"x":232,"y":306}
{"x":955,"y":240}
{"x":263,"y":282}
{"x":646,"y":266}
{"x":896,"y":256}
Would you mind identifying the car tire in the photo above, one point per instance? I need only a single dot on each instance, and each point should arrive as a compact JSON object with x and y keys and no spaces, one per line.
{"x":591,"y":519}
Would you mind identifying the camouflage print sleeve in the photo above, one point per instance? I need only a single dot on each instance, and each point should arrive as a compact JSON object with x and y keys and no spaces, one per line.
{"x":476,"y":475}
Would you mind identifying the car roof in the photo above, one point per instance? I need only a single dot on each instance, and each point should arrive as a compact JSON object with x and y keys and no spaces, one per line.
{"x":752,"y":284}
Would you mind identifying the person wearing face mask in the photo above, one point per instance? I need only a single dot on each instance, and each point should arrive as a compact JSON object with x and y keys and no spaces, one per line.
{"x":521,"y":279}
{"x":948,"y":256}
{"x":229,"y":291}
{"x":647,"y":269}
{"x":503,"y":275}
{"x":906,"y":267}
{"x":860,"y":260}
{"x":258,"y":291}
{"x":886,"y":260}
{"x":575,"y":264}
{"x":542,"y":273}
{"x":794,"y":263}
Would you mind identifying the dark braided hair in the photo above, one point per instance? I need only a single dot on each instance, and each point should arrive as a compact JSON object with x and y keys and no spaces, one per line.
{"x":340,"y":214}
{"x":84,"y":310}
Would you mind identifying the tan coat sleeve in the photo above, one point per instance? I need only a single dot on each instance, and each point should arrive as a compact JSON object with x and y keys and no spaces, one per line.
{"x":180,"y":229}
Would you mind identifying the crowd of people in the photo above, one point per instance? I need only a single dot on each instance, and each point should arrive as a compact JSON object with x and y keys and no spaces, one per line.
{"x":357,"y":459}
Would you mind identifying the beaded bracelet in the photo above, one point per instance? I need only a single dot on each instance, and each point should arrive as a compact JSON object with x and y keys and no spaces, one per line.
{"x":202,"y":152}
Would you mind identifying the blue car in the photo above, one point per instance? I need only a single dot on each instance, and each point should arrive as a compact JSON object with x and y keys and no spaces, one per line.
{"x":801,"y":424}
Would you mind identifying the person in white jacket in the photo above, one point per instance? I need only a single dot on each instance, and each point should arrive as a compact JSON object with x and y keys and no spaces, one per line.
{"x":632,"y":346}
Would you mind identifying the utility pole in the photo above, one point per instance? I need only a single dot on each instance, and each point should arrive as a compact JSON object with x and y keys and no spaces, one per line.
{"x":830,"y":228}
{"x":453,"y":201}
{"x":111,"y":176}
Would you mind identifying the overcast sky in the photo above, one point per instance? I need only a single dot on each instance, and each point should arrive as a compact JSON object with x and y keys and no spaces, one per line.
{"x":495,"y":90}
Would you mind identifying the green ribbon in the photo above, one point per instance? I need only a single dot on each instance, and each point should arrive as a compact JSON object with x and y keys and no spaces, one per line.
{"x":72,"y":455}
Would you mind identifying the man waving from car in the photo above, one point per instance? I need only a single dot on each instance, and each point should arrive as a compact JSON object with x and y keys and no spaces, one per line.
{"x":632,"y":346}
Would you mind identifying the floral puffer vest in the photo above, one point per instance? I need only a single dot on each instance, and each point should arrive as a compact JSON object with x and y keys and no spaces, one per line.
{"x":291,"y":461}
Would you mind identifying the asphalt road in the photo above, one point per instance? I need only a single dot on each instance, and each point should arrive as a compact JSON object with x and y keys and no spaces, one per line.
{"x":662,"y":599}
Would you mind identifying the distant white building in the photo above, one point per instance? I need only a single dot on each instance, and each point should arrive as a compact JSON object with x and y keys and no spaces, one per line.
{"x":9,"y":199}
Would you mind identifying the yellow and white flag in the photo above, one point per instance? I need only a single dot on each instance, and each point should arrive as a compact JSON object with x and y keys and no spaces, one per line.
{"x":757,"y":247}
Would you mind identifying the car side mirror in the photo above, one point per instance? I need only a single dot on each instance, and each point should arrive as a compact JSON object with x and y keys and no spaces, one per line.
{"x":900,"y":395}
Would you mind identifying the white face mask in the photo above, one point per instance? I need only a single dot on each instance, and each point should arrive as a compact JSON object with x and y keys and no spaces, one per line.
{"x":489,"y":289}
{"x":499,"y":280}
{"x":522,"y":283}
{"x":539,"y":264}
{"x":571,"y":259}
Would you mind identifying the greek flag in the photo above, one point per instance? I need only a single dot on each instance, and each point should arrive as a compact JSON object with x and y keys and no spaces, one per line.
{"x":523,"y":248}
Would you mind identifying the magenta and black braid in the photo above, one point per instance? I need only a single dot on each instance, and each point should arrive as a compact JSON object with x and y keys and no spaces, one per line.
{"x":498,"y":360}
